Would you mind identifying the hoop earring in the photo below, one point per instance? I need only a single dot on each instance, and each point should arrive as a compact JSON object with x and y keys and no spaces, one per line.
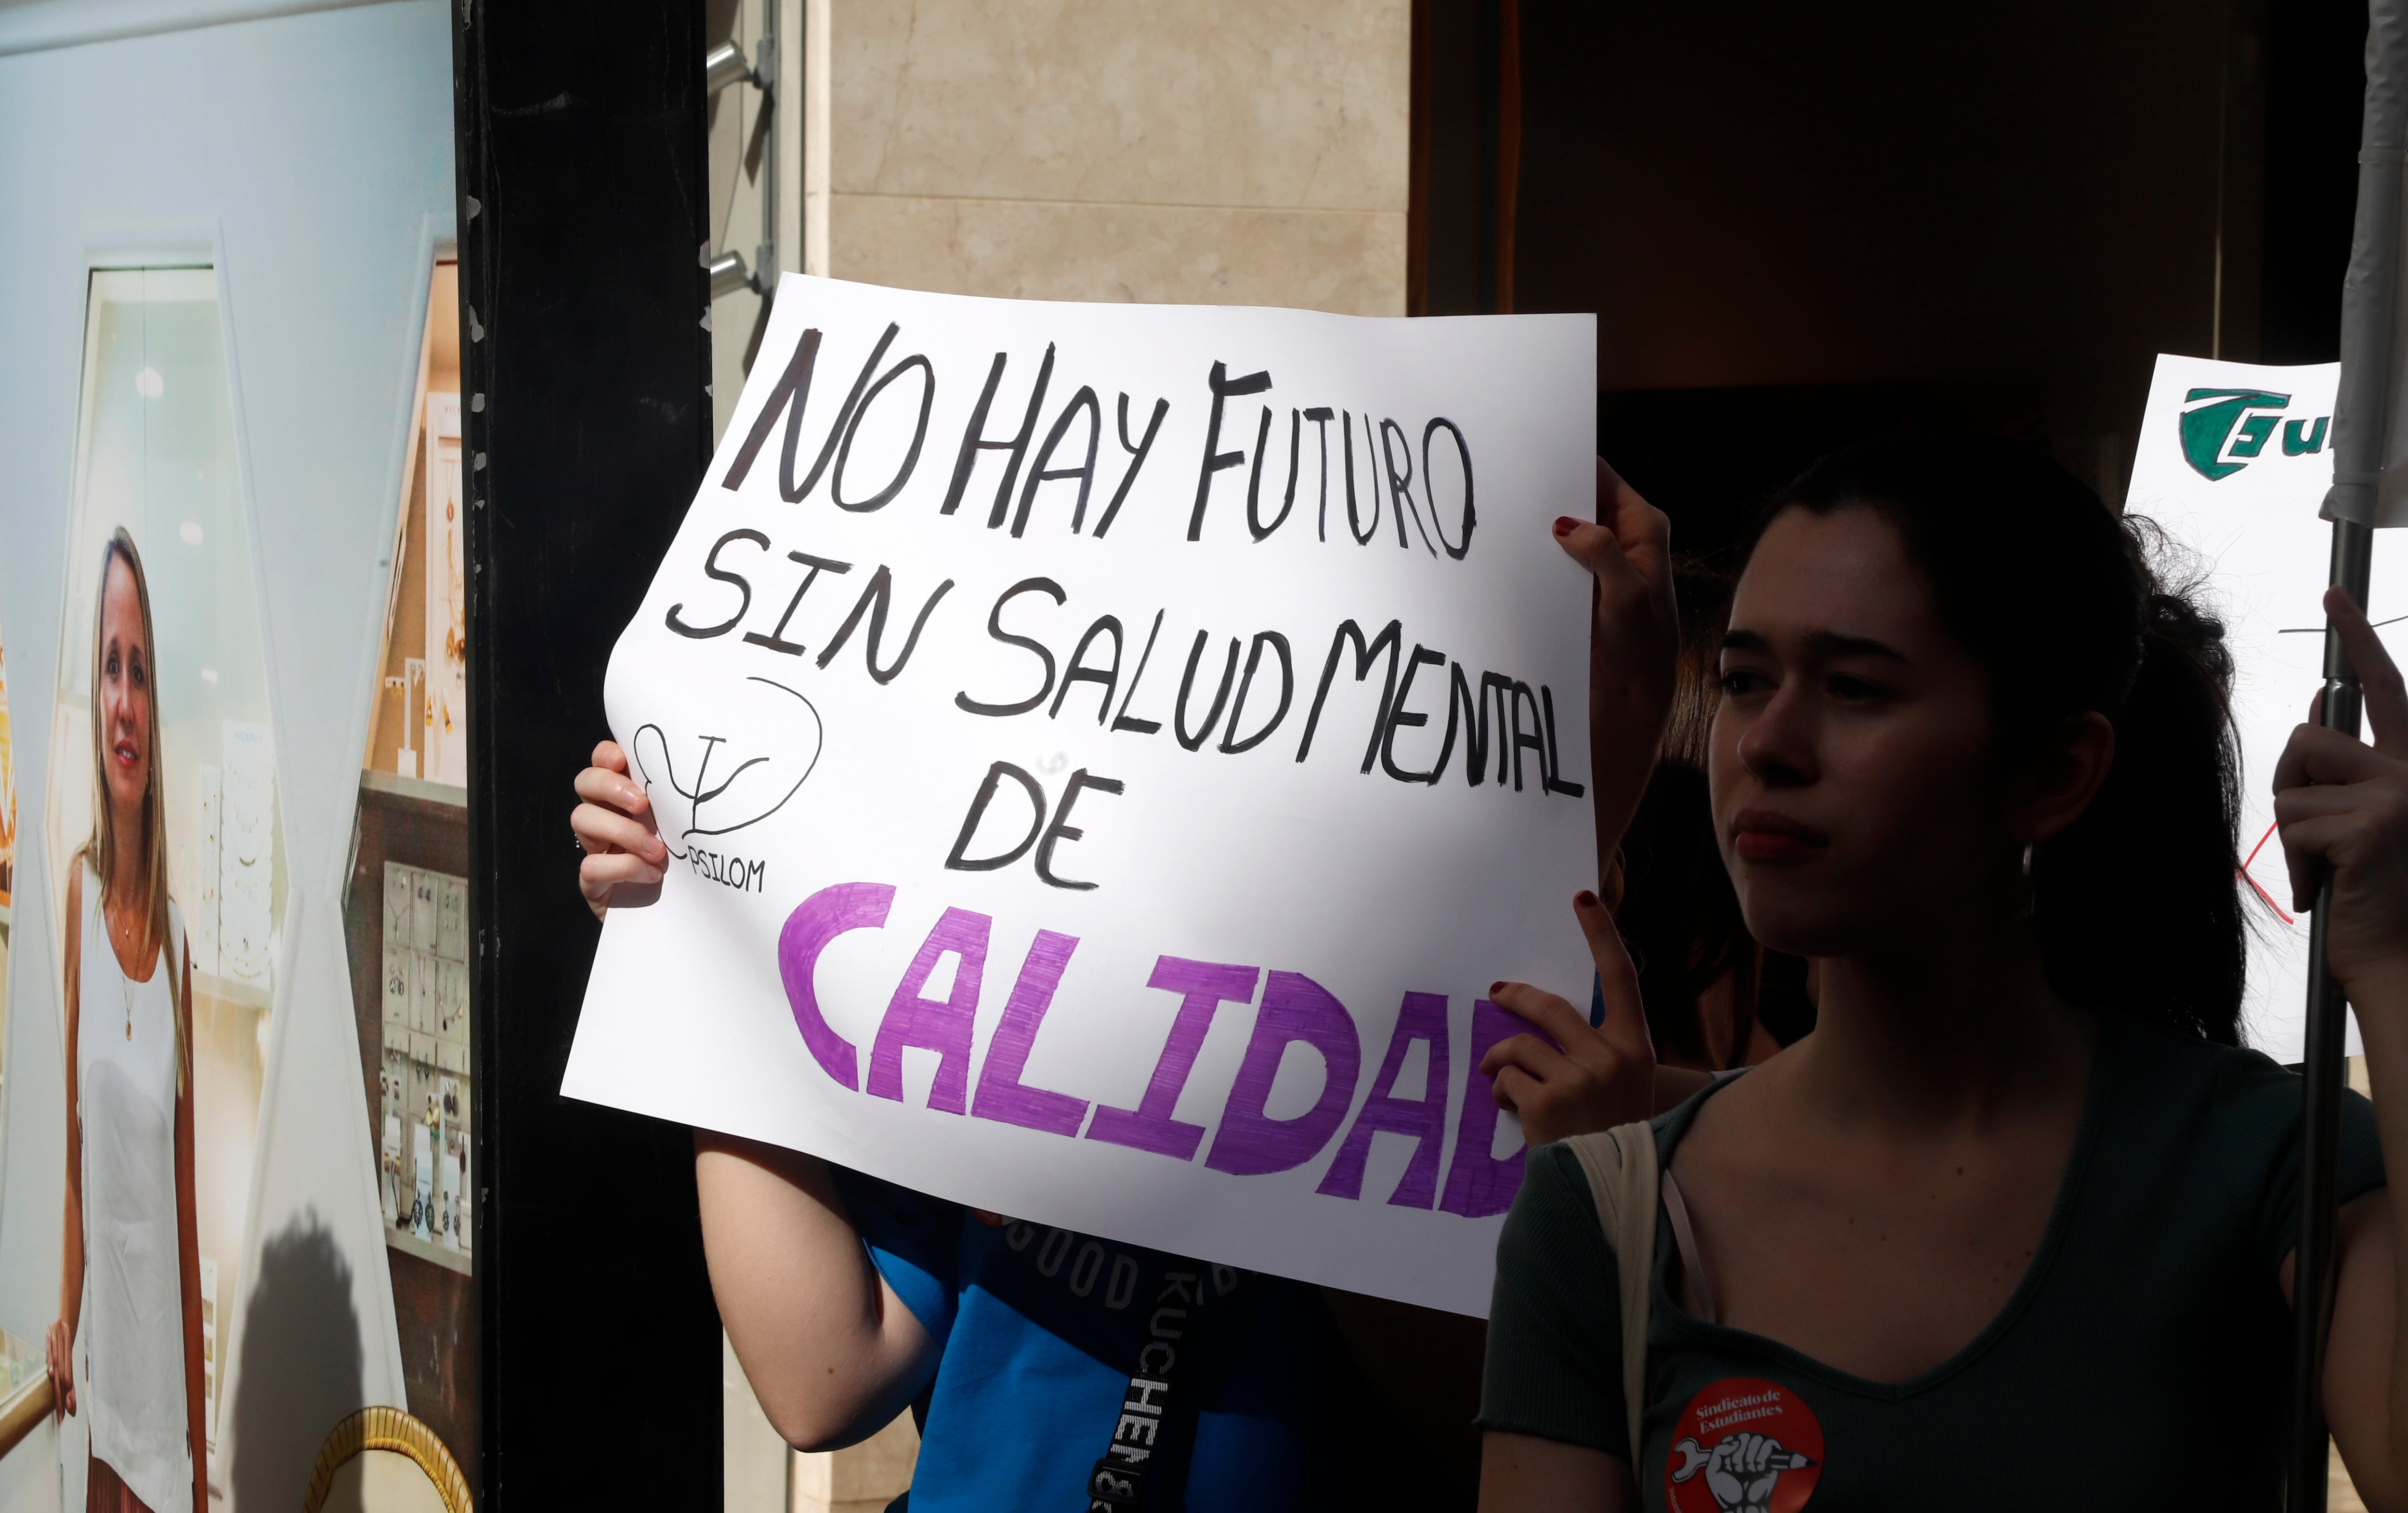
{"x":2029,"y":889}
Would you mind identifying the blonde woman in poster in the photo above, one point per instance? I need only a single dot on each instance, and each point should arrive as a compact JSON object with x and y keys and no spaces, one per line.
{"x":129,"y":1277}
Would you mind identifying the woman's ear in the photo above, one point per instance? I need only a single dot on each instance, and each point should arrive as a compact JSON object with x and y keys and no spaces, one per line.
{"x":2069,"y":776}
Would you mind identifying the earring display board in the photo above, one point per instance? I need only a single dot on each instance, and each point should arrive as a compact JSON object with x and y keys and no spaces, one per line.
{"x":425,"y":1086}
{"x":585,"y":429}
{"x":444,"y":723}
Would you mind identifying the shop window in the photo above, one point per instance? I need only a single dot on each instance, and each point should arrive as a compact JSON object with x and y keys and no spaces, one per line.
{"x":405,"y":911}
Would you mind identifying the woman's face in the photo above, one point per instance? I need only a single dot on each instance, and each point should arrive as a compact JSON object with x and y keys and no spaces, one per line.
{"x":1856,"y":798}
{"x":125,"y":695}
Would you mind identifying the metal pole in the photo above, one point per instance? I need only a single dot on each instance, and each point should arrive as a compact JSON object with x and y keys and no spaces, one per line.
{"x":765,"y":69}
{"x":2353,"y":555}
{"x":2361,"y":424}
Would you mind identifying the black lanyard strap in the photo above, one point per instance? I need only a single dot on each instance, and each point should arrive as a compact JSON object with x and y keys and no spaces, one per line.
{"x":1118,"y":1480}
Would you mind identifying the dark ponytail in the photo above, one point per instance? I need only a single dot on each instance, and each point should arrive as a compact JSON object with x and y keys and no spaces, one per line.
{"x":2137,"y":904}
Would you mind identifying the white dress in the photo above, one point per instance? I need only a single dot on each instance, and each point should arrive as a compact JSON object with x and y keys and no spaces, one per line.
{"x":133,"y":1325}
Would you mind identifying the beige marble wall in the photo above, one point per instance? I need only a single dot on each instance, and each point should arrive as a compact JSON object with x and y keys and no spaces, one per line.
{"x":751,"y":1458}
{"x":1244,"y":151}
{"x":862,"y":1479}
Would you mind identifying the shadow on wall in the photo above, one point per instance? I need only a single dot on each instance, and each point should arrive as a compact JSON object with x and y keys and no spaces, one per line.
{"x":301,"y":1368}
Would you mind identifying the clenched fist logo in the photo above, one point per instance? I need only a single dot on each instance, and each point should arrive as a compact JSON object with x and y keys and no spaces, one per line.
{"x":1741,"y":1471}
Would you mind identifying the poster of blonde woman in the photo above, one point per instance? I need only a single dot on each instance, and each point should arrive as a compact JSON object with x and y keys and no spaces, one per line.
{"x":125,"y":1352}
{"x":217,"y":437}
{"x":167,"y":893}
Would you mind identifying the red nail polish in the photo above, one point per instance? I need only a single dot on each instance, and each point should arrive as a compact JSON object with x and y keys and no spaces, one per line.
{"x":1584,"y":898}
{"x":1495,"y":988}
{"x":1563,"y":524}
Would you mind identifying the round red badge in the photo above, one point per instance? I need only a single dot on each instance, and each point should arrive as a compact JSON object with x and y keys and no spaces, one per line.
{"x":1743,"y":1446}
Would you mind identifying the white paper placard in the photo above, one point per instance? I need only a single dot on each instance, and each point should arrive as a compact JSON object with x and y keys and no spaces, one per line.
{"x":1204,"y":974}
{"x":2234,"y":461}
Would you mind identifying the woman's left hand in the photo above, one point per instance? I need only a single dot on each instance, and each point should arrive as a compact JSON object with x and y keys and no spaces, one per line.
{"x":58,"y":1356}
{"x":1572,"y":1077}
{"x":2343,"y":804}
{"x":1634,"y":647}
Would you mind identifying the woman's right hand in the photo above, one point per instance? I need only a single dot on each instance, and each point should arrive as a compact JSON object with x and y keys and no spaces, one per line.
{"x":58,"y":1354}
{"x":615,"y":823}
{"x":1569,"y":1077}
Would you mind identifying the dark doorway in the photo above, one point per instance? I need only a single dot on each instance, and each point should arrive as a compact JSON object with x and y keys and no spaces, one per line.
{"x":1799,"y":228}
{"x":583,"y":205}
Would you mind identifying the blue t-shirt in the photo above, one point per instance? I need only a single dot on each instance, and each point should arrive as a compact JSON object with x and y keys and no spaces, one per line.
{"x":1038,"y":1331}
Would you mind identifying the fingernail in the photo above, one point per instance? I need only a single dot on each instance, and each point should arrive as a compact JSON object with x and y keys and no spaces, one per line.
{"x":1495,"y":988}
{"x":1565,"y":525}
{"x":1584,"y":898}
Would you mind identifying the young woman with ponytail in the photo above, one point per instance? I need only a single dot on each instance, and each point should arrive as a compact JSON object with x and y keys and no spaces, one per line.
{"x":130,"y":1277}
{"x":2012,"y":1228}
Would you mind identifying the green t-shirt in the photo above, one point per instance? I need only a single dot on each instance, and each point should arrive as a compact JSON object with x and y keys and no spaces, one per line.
{"x":2141,"y":1362}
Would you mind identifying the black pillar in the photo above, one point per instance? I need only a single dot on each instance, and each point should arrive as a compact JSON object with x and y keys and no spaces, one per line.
{"x":582,"y":159}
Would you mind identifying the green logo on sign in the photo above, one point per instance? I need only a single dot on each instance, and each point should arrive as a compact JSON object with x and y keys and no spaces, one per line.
{"x":2222,"y":428}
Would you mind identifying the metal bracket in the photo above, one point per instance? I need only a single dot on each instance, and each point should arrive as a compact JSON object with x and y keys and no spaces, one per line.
{"x":729,"y":274}
{"x":724,"y":65}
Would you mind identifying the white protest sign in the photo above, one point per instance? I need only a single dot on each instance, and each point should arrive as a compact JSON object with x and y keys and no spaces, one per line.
{"x":2234,"y":460}
{"x":1110,"y":751}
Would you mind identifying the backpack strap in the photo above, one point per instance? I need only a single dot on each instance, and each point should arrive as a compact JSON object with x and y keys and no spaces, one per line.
{"x":1622,"y":1169}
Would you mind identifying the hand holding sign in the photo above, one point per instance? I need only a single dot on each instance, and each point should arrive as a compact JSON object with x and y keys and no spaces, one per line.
{"x":615,"y":823}
{"x":1571,"y":1078}
{"x":2343,"y":804}
{"x":1634,"y":642}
